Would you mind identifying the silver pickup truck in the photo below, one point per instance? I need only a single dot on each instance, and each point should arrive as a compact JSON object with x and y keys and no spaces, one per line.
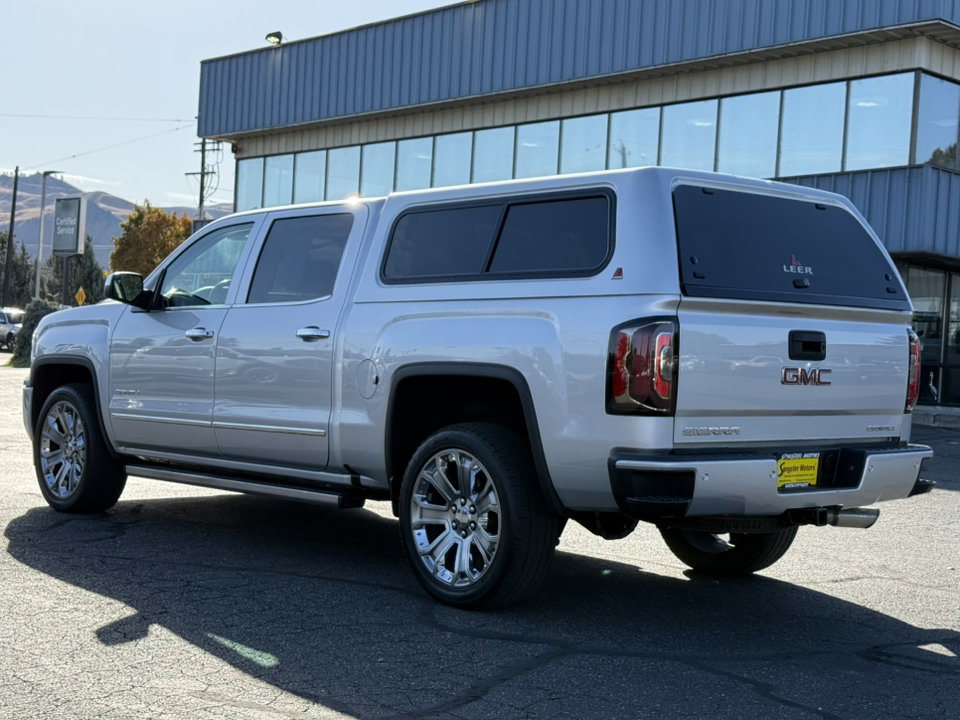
{"x":725,"y":358}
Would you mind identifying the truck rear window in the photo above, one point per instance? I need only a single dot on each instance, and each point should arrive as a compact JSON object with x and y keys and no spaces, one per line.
{"x":758,"y":247}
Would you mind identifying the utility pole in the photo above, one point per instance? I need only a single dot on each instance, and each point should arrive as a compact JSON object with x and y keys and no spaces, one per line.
{"x":8,"y":265}
{"x":203,"y":175}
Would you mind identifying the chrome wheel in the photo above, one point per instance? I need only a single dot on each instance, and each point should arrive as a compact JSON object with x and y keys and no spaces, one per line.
{"x":63,"y":449}
{"x":455,"y":518}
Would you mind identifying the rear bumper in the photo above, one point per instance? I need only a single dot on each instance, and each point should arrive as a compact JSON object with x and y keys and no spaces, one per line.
{"x":654,"y":487}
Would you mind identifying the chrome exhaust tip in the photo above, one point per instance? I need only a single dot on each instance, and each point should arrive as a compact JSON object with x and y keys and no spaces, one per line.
{"x":853,"y":517}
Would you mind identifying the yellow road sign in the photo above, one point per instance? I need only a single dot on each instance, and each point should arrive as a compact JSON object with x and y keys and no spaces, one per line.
{"x":81,"y":297}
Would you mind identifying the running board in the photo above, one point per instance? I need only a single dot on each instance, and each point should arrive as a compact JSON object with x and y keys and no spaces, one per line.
{"x":219,"y":482}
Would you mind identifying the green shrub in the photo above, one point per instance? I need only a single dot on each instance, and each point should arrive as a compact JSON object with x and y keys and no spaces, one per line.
{"x":31,"y":318}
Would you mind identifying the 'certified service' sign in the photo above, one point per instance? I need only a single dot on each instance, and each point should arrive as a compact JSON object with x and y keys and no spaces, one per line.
{"x":69,"y":226}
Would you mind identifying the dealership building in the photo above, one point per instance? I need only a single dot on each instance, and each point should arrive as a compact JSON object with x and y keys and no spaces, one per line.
{"x":860,"y":98}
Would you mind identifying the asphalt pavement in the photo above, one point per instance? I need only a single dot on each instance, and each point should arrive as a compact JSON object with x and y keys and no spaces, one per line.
{"x":187,"y":603}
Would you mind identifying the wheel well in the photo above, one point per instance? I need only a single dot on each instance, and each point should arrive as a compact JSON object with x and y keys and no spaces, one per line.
{"x":423,"y":404}
{"x":47,"y":378}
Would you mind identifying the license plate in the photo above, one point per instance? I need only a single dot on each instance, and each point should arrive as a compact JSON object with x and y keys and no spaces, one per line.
{"x":798,"y":471}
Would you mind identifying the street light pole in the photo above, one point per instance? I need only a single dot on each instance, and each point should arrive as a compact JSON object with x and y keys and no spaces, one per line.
{"x":43,"y":202}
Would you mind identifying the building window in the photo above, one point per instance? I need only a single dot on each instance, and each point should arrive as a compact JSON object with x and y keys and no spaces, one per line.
{"x":538,"y":146}
{"x":926,"y":288}
{"x":309,"y":176}
{"x":343,"y":172}
{"x":937,"y":118}
{"x":493,"y":154}
{"x":249,"y":184}
{"x":451,"y":159}
{"x":811,"y":135}
{"x":414,"y":162}
{"x":880,"y":113}
{"x":748,"y":135}
{"x":634,"y":138}
{"x":583,"y":144}
{"x":278,"y":181}
{"x":689,"y":135}
{"x":376,"y":175}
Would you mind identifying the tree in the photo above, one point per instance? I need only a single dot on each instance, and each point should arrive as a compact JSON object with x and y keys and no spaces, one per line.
{"x":22,"y":274}
{"x":85,"y":272}
{"x":148,"y":235}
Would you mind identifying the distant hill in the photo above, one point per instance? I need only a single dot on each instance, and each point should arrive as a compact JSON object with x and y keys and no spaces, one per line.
{"x":105,"y":212}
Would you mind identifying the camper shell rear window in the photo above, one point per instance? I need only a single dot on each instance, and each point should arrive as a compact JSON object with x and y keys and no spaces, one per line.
{"x":751,"y":246}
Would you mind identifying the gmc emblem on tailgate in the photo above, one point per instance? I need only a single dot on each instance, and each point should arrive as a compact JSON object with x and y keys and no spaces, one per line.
{"x":802,"y":376}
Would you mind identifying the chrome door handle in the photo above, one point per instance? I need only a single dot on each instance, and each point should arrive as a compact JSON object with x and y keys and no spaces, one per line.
{"x":312,"y":333}
{"x":198,"y":334}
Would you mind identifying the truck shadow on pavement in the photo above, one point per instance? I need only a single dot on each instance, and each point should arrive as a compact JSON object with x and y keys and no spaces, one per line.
{"x":321,"y":603}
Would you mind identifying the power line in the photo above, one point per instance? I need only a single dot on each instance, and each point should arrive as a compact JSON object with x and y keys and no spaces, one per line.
{"x":93,"y":117}
{"x":115,"y":145}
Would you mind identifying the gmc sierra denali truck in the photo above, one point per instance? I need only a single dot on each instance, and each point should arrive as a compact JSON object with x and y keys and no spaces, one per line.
{"x":725,"y":358}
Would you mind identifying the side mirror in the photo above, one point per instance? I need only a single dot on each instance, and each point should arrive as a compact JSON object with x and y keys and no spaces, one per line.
{"x":126,"y":287}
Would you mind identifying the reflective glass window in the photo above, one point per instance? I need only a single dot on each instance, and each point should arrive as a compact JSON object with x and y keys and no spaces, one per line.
{"x":309,"y":178}
{"x":201,"y":274}
{"x":811,"y":135}
{"x":953,"y":319}
{"x":343,"y":172}
{"x":634,"y":138}
{"x":493,"y":154}
{"x":748,"y":135}
{"x":878,"y":124}
{"x":451,"y":159}
{"x":583,"y":144}
{"x":376,"y":173}
{"x":278,"y":180}
{"x":249,"y":184}
{"x":538,"y":145}
{"x":926,"y":291}
{"x":414,"y":161}
{"x":689,"y":135}
{"x":300,"y":258}
{"x":937,"y":119}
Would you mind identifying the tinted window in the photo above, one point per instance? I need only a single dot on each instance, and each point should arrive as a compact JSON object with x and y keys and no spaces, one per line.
{"x":439,"y":243}
{"x":553,"y":236}
{"x":15,"y":317}
{"x":201,"y":274}
{"x":745,"y":245}
{"x":300,"y":259}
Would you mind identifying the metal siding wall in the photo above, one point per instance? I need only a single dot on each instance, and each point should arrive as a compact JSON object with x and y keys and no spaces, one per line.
{"x":915,"y":210}
{"x":503,"y":45}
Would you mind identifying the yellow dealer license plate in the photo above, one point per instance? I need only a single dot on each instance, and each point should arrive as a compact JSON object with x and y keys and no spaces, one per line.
{"x":796,"y":471}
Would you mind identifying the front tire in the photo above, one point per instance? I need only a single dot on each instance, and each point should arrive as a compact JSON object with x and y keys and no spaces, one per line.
{"x":473,"y":521}
{"x":745,"y":553}
{"x":74,"y":467}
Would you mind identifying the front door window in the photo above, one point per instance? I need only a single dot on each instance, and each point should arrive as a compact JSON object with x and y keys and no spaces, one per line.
{"x":201,"y":275}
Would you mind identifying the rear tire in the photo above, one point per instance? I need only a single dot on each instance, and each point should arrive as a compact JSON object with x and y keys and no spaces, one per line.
{"x":75,"y":470}
{"x":745,"y":553}
{"x":473,"y":521}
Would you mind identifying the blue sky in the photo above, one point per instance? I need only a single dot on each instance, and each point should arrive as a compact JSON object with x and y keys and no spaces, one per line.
{"x":121,"y":59}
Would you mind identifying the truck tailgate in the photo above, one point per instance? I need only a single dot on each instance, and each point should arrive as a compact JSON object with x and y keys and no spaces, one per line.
{"x":738,"y":383}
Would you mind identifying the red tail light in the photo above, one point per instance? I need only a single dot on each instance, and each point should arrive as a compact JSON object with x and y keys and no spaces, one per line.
{"x":913,"y":377}
{"x":642,"y":373}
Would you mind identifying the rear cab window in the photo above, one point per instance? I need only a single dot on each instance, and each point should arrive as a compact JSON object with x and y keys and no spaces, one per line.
{"x":750,"y":246}
{"x":550,"y":236}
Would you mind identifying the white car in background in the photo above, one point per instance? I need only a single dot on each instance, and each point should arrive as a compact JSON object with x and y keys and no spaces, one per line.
{"x":11,"y":320}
